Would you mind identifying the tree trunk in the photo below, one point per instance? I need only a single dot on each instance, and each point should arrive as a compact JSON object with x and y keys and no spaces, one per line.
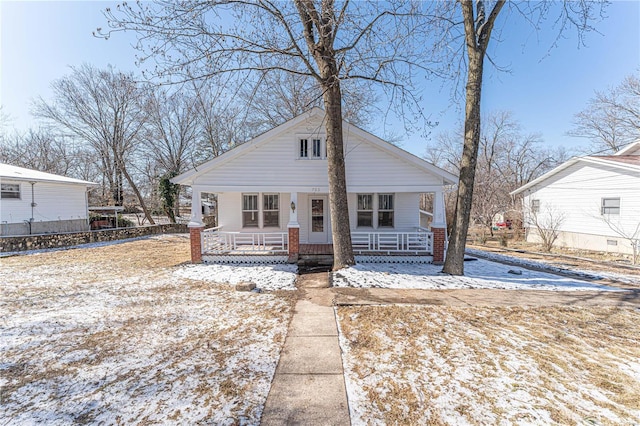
{"x":123,"y":170}
{"x":454,"y":263}
{"x":338,"y":205}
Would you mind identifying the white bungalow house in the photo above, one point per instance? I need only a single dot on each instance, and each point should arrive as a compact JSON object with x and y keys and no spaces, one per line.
{"x":34,"y":202}
{"x":596,"y":199}
{"x":272,"y":195}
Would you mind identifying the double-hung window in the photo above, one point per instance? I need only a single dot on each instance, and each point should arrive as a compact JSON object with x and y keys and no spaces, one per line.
{"x":10,"y":190}
{"x":610,"y":206}
{"x":304,"y":148}
{"x":250,"y":212}
{"x":365,"y":210}
{"x":317,"y":144}
{"x":385,"y":210}
{"x":535,"y":206}
{"x":270,"y":210}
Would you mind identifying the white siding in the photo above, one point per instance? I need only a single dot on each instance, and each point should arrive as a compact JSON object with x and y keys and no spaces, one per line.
{"x":406,"y":216}
{"x":230,"y":212}
{"x":577,"y":192}
{"x":274,"y":166}
{"x":54,"y":202}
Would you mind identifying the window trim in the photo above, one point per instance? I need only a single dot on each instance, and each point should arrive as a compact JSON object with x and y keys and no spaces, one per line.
{"x":262,"y":212}
{"x":605,"y":210}
{"x":249,"y":194}
{"x":534,"y":205}
{"x":4,"y":192}
{"x":392,"y":210}
{"x":307,"y":152}
{"x":358,"y":210}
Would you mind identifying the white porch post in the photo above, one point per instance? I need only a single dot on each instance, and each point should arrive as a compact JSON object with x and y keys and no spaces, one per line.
{"x":294,"y":229}
{"x":439,"y":227}
{"x":196,"y":208}
{"x":439,"y":213}
{"x":293,"y":212}
{"x":195,"y":225}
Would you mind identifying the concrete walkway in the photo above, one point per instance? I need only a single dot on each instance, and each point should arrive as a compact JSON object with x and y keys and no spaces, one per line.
{"x":308,"y":386}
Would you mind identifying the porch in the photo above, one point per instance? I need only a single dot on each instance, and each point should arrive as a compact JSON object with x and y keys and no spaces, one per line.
{"x":216,"y":241}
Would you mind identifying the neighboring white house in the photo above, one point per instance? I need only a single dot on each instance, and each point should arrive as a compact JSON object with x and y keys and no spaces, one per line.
{"x":593,"y":195}
{"x":33,"y":202}
{"x":272,"y":195}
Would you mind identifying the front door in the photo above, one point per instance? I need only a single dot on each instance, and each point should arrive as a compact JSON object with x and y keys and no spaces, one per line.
{"x":318,"y":222}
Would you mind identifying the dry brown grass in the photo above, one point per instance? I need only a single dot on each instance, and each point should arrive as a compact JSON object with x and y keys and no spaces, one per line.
{"x":110,"y":335}
{"x":445,"y":365}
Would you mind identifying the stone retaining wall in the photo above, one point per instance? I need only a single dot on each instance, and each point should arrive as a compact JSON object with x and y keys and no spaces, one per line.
{"x":46,"y":241}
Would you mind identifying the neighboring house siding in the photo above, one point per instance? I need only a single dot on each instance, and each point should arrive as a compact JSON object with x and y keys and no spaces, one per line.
{"x":577,"y":191}
{"x":55,"y":203}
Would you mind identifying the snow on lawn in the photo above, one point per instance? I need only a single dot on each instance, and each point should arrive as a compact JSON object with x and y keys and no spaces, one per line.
{"x":623,"y":278}
{"x":110,"y":335}
{"x":265,"y":277}
{"x":465,"y":366}
{"x":478,"y":274}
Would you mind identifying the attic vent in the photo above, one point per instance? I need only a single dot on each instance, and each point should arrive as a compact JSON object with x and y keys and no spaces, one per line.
{"x":612,"y":242}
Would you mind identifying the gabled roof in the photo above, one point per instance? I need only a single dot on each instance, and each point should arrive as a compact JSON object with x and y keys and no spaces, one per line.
{"x":622,"y":162}
{"x":188,"y":177}
{"x":632,"y":147}
{"x":10,"y":172}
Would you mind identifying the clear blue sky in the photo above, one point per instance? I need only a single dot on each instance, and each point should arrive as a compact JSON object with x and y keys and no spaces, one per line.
{"x":40,"y":40}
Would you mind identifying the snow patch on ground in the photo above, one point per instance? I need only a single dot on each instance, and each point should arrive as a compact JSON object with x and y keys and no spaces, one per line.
{"x":478,"y":274}
{"x":265,"y":277}
{"x":580,"y":273}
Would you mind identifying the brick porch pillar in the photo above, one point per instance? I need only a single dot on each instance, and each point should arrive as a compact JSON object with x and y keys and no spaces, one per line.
{"x":195,"y":232}
{"x":439,"y":242}
{"x":294,"y":243}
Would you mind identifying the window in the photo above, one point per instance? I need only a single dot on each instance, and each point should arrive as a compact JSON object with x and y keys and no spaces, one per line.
{"x":535,"y":206}
{"x":611,"y":206}
{"x":270,"y":210}
{"x":365,"y":210}
{"x":10,"y":190}
{"x":385,"y":211}
{"x":304,"y":145}
{"x":250,"y":211}
{"x":316,"y":148}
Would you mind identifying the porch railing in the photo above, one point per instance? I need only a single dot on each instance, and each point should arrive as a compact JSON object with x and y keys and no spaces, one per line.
{"x":216,"y":241}
{"x":419,"y":241}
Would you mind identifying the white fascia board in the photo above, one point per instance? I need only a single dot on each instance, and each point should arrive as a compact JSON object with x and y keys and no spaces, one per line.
{"x":448,"y":178}
{"x":545,"y":176}
{"x":615,"y":164}
{"x":188,"y":177}
{"x":631,"y":147}
{"x":319,"y":189}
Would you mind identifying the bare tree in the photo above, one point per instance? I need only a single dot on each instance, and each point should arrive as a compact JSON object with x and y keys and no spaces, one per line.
{"x":507,"y":159}
{"x":102,"y":108}
{"x":611,"y":119}
{"x":547,"y":221}
{"x":281,"y":96}
{"x":630,"y":233}
{"x":467,"y":27}
{"x":328,"y":41}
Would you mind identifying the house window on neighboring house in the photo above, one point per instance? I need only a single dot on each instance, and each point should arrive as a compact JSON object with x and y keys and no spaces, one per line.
{"x":365,"y":210}
{"x":610,"y":206}
{"x":535,"y":206}
{"x":385,"y":211}
{"x":10,"y":190}
{"x":271,"y":210}
{"x":304,"y":148}
{"x":250,"y":210}
{"x":316,"y":143}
